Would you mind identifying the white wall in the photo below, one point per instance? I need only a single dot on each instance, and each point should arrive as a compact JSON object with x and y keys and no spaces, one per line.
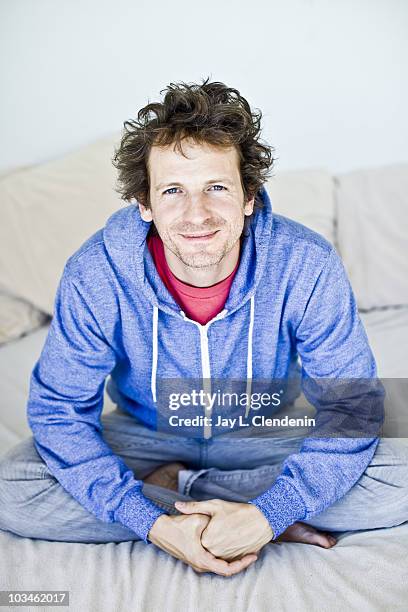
{"x":329,"y":75}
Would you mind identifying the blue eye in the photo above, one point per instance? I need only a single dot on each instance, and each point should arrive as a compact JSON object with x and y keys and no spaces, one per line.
{"x":171,"y":188}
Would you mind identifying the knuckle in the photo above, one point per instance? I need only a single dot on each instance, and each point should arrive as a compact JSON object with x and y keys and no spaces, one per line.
{"x":198,"y":520}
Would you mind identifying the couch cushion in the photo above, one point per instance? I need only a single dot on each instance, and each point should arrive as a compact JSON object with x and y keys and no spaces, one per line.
{"x":47,"y":212}
{"x":17,"y":317}
{"x":372,"y":234}
{"x":387,"y":332}
{"x":307,"y":196}
{"x":17,"y":360}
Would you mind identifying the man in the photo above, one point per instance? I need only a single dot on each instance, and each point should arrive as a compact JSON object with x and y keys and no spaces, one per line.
{"x":199,"y":280}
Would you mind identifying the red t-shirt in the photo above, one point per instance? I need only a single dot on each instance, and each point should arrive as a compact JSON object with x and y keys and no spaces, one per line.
{"x":199,"y":303}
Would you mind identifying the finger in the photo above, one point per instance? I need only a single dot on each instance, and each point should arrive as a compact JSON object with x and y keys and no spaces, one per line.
{"x":213,"y":564}
{"x":202,"y":507}
{"x":226,"y":568}
{"x":240,"y":564}
{"x":197,"y":569}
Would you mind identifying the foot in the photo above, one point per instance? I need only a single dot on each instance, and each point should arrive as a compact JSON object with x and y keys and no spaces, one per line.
{"x":166,"y":476}
{"x":305,"y":534}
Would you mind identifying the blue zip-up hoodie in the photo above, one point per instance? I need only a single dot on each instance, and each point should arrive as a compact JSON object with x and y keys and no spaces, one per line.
{"x":290,"y":299}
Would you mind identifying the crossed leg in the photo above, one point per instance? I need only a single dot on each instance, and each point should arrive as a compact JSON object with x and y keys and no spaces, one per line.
{"x":33,"y":503}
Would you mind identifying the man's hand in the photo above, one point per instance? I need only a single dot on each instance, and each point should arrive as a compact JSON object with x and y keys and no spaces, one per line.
{"x":180,"y":536}
{"x":235,"y":529}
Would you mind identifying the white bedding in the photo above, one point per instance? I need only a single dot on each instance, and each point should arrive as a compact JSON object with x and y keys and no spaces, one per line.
{"x":364,"y":571}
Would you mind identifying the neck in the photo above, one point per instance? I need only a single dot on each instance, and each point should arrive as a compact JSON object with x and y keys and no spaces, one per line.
{"x":203,"y":277}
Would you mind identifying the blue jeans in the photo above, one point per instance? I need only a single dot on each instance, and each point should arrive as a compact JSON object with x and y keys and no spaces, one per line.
{"x":33,"y":503}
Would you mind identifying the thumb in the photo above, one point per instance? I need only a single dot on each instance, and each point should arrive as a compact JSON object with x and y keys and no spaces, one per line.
{"x":194,"y":507}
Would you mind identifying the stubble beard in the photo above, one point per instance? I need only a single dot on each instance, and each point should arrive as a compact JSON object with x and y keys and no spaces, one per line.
{"x":200,"y":259}
{"x":203,"y":258}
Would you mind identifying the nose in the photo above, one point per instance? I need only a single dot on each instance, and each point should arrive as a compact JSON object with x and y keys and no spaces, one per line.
{"x":197,"y":210}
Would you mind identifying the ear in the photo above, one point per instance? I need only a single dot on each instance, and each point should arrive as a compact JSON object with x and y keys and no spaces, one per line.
{"x":145,"y":213}
{"x":249,"y":206}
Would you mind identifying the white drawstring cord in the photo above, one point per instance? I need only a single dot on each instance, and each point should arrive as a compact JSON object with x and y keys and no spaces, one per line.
{"x":249,"y":353}
{"x":249,"y":356}
{"x":154,"y":357}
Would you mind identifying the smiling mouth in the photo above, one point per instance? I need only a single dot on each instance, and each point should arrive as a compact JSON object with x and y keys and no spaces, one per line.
{"x":195,"y":237}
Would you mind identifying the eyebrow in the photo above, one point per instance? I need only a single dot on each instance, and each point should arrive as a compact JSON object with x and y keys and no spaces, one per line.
{"x":177,"y":184}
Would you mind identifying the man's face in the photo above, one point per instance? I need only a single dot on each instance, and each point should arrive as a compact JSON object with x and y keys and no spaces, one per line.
{"x":197,"y":202}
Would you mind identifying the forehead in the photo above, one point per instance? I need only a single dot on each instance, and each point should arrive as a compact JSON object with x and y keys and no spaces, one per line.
{"x":199,"y":158}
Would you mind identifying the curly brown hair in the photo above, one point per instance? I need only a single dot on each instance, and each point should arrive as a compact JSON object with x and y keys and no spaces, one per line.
{"x":208,"y":113}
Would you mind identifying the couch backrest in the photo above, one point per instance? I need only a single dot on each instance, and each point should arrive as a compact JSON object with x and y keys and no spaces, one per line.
{"x":48,"y":211}
{"x":307,"y":196}
{"x":372,"y":234}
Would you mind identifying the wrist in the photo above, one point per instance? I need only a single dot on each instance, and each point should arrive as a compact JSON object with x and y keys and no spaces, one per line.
{"x":264,"y":524}
{"x":156,"y":529}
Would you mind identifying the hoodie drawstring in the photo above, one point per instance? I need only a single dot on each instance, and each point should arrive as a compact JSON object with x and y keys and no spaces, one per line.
{"x":249,"y":356}
{"x":249,"y":353}
{"x":154,"y":357}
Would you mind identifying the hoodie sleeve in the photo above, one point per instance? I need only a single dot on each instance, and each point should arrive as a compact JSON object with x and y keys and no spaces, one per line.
{"x":332,"y":343}
{"x":64,"y":408}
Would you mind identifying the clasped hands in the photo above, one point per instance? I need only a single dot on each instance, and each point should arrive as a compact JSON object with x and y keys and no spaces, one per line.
{"x":213,"y":536}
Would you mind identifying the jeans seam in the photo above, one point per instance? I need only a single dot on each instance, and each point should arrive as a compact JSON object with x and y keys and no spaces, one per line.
{"x":43,"y":474}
